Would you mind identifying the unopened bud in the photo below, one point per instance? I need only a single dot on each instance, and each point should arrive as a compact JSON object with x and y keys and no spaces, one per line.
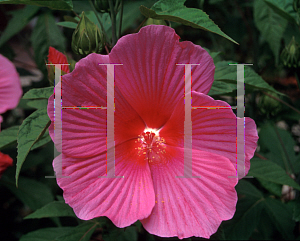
{"x":87,"y":37}
{"x":291,"y":53}
{"x":151,"y":21}
{"x":268,"y":105}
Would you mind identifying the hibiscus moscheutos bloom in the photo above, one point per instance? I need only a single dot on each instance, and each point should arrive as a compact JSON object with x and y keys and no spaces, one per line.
{"x":10,"y":86}
{"x":5,"y":162}
{"x":149,"y":139}
{"x":10,"y":94}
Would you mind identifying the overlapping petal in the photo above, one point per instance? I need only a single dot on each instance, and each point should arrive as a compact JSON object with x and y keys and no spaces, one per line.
{"x":90,"y":194}
{"x":150,"y":76}
{"x":186,"y":207}
{"x":84,"y":130}
{"x":10,"y":85}
{"x":214,"y":130}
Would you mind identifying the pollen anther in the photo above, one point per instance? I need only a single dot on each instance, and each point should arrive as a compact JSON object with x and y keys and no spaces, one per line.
{"x":151,"y":144}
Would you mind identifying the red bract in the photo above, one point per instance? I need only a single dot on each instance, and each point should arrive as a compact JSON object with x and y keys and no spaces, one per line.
{"x":5,"y":162}
{"x":149,"y":139}
{"x":10,"y":86}
{"x":56,"y":57}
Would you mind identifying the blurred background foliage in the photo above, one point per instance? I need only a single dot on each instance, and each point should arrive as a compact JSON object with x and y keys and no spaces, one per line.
{"x":267,"y":33}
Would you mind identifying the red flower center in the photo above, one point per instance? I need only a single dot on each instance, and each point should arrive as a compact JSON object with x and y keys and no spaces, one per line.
{"x":151,"y":144}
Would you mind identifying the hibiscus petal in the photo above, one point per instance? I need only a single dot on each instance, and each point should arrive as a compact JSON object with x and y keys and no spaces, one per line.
{"x":10,"y":85}
{"x":214,"y":130}
{"x":188,"y":207}
{"x":150,"y":77}
{"x":84,"y":130}
{"x":5,"y":162}
{"x":56,"y":57}
{"x":122,"y":200}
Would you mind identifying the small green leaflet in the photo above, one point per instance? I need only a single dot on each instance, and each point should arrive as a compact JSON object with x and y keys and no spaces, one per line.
{"x":39,"y":93}
{"x":53,"y":209}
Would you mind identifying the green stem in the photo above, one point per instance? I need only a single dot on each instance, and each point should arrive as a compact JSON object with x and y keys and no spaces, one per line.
{"x":113,"y":22}
{"x":121,"y":17}
{"x":96,"y":13}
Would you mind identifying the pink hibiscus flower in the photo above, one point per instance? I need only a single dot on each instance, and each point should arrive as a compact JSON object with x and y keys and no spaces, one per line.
{"x":10,"y":94}
{"x":10,"y":86}
{"x":149,"y":139}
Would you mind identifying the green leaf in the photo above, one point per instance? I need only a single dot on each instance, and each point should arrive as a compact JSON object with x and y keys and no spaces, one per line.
{"x":281,"y":215}
{"x":67,"y":24}
{"x":57,"y":4}
{"x":296,"y":211}
{"x":221,"y":88}
{"x":53,"y":209}
{"x":284,"y":8}
{"x":20,"y":18}
{"x":272,"y":187}
{"x":38,"y":104}
{"x":46,"y":234}
{"x":264,"y":229}
{"x":248,"y":210}
{"x":228,"y":73}
{"x":45,"y":34}
{"x":127,"y":234}
{"x":280,"y":147}
{"x":8,"y":136}
{"x":270,"y":24}
{"x":31,"y":130}
{"x":30,"y":192}
{"x":82,"y":232}
{"x":270,"y":171}
{"x":176,"y":11}
{"x":39,"y":93}
{"x":44,"y":140}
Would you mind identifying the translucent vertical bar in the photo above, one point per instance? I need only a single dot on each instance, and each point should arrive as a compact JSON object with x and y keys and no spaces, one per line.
{"x":240,"y":122}
{"x":188,"y":121}
{"x":188,"y":155}
{"x":110,"y":131}
{"x":57,"y":119}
